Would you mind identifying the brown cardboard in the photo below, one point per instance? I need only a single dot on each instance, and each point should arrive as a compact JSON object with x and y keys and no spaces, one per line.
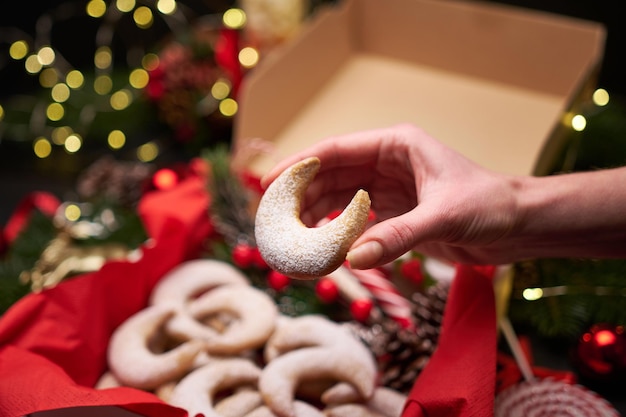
{"x":492,"y":81}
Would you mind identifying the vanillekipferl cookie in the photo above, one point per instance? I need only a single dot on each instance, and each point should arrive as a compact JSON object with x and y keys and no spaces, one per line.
{"x":290,"y":247}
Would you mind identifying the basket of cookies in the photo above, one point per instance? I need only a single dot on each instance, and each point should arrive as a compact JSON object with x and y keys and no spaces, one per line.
{"x":174,"y":331}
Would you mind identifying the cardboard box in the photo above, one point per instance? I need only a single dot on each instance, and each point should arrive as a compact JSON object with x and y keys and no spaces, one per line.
{"x":492,"y":81}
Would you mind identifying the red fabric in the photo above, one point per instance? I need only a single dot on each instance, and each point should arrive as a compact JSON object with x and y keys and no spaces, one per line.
{"x":53,"y":344}
{"x":459,"y":379}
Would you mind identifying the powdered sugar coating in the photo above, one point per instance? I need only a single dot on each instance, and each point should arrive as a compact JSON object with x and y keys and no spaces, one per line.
{"x":292,"y":248}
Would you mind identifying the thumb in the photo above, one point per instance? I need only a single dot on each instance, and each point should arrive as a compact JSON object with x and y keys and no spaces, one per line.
{"x":384,"y":242}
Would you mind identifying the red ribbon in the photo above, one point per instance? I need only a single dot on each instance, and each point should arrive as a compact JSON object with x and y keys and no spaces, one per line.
{"x":45,"y":202}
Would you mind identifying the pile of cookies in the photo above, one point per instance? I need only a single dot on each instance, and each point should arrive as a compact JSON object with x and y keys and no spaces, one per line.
{"x":211,"y":343}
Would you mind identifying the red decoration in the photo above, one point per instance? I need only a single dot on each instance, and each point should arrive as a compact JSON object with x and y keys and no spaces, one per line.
{"x":601,"y":353}
{"x":165,"y":178}
{"x":326,"y":290}
{"x":243,"y":255}
{"x":277,"y":281}
{"x":412,"y":270}
{"x":257,"y":259}
{"x":361,"y":309}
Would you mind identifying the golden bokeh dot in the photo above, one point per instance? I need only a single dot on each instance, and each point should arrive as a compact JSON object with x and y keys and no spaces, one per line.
{"x":32,"y":64}
{"x":96,"y":8}
{"x":121,"y":99}
{"x":221,"y":89}
{"x":166,"y":7}
{"x":60,"y":93}
{"x":103,"y":84}
{"x":46,"y":56}
{"x":72,"y":212}
{"x":579,"y":122}
{"x":148,"y":152}
{"x":55,"y":112}
{"x":150,"y":61}
{"x":42,"y":147}
{"x":248,"y":57}
{"x":18,"y":49}
{"x":59,"y":134}
{"x":1,"y":112}
{"x":103,"y":57}
{"x":601,"y":97}
{"x":143,"y":17}
{"x":125,"y":6}
{"x":139,"y":78}
{"x":73,"y":143}
{"x":228,"y":107}
{"x":234,"y":18}
{"x":74,"y":79}
{"x":48,"y":78}
{"x":116,"y":139}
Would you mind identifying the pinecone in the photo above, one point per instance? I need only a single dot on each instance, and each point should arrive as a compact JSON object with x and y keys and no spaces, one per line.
{"x":403,"y":353}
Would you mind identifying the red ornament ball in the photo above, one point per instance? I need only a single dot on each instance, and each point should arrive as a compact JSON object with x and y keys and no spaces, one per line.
{"x":361,"y":309}
{"x":601,"y":353}
{"x":243,"y":255}
{"x":326,"y":290}
{"x":277,"y":281}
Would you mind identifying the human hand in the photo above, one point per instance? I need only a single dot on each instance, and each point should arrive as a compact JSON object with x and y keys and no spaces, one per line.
{"x":426,"y":196}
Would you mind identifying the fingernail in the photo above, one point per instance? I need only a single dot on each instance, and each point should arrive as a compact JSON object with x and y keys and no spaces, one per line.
{"x":365,"y":255}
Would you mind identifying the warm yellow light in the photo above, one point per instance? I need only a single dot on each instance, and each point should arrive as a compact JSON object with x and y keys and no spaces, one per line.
{"x":18,"y":49}
{"x":46,"y":56}
{"x":221,"y":89}
{"x":150,"y":61}
{"x":228,"y":107}
{"x":74,"y":79}
{"x":125,"y":6}
{"x":103,"y":57}
{"x":42,"y":147}
{"x":32,"y":64}
{"x":48,"y":77}
{"x":601,"y":97}
{"x":73,"y":143}
{"x":166,"y":6}
{"x":579,"y":122}
{"x":248,"y":57}
{"x":103,"y":84}
{"x":532,"y":294}
{"x":61,"y":133}
{"x":148,"y":152}
{"x":143,"y":17}
{"x":55,"y":112}
{"x":121,"y":99}
{"x":96,"y":8}
{"x":116,"y":139}
{"x":1,"y":112}
{"x":139,"y":78}
{"x":234,"y":18}
{"x":60,"y":93}
{"x":72,"y":212}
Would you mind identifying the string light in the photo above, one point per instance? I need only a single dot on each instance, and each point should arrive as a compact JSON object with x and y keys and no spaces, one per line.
{"x":42,"y":147}
{"x":228,"y":107}
{"x":148,"y":152}
{"x":600,"y":97}
{"x":116,"y":139}
{"x":234,"y":18}
{"x":125,"y":6}
{"x":579,"y":122}
{"x":73,"y":143}
{"x":72,"y":212}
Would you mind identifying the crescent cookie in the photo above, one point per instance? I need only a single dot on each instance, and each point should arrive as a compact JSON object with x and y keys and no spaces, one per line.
{"x":307,"y":331}
{"x":280,"y":378}
{"x":255,"y":315}
{"x":134,"y":364}
{"x":196,"y":391}
{"x":290,"y":247}
{"x":192,"y":278}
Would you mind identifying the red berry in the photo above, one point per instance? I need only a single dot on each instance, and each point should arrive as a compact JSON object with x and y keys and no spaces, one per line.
{"x":326,"y":289}
{"x":361,"y":309}
{"x":277,"y":281}
{"x":257,"y":259}
{"x":243,"y":255}
{"x":412,"y":269}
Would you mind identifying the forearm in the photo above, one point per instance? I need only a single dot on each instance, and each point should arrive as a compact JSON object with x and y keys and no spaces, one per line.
{"x":572,"y":215}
